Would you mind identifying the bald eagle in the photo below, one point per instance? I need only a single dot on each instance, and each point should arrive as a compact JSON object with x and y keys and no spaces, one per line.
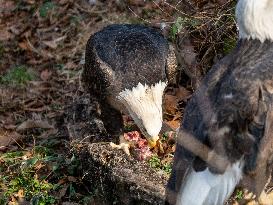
{"x":126,"y":69}
{"x":230,"y":118}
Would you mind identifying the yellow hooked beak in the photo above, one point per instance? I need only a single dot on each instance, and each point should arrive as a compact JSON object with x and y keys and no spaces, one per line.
{"x":152,"y":141}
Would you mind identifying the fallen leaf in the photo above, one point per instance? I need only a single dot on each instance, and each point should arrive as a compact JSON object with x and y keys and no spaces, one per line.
{"x":5,"y":34}
{"x":170,"y":104}
{"x":182,"y":93}
{"x":62,"y":2}
{"x":51,"y":44}
{"x":137,"y":2}
{"x":13,"y":201}
{"x":70,"y":65}
{"x":62,"y":181}
{"x":54,"y":43}
{"x":20,"y":194}
{"x":7,"y":6}
{"x":39,"y":165}
{"x":72,"y":179}
{"x":8,"y":137}
{"x":24,"y":45}
{"x":69,"y":203}
{"x":34,"y":124}
{"x":45,"y":74}
{"x":266,"y":198}
{"x":174,"y":124}
{"x":173,"y":148}
{"x":62,"y":191}
{"x":30,"y":1}
{"x":10,"y":126}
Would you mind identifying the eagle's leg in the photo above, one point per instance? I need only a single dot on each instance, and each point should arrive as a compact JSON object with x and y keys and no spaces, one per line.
{"x":112,"y":120}
{"x":113,"y":123}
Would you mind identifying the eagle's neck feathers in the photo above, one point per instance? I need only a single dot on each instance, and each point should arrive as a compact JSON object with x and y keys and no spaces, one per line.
{"x":255,"y":19}
{"x":144,"y":104}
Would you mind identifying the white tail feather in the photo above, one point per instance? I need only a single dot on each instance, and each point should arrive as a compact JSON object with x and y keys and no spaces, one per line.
{"x":206,"y":188}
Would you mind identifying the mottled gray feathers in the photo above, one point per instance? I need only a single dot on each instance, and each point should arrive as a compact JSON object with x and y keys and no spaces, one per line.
{"x":121,"y":56}
{"x":228,"y":111}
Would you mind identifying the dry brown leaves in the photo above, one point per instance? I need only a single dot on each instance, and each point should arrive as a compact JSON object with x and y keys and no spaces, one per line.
{"x":7,"y":138}
{"x":56,"y":32}
{"x":173,"y":108}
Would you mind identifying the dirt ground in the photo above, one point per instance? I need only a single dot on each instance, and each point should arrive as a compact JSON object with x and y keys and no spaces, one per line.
{"x":42,"y":47}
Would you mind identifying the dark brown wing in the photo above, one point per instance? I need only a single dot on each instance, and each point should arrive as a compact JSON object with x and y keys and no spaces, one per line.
{"x":182,"y":158}
{"x":121,"y":56}
{"x":228,"y":111}
{"x":258,"y":177}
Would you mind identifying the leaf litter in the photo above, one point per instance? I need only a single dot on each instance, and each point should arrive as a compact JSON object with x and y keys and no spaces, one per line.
{"x":48,"y":39}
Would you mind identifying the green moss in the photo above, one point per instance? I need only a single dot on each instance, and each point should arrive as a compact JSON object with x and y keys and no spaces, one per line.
{"x":156,"y":163}
{"x":229,"y":45}
{"x":36,"y":173}
{"x":18,"y":75}
{"x":45,"y":8}
{"x":180,"y":23}
{"x":239,"y":194}
{"x":20,"y":175}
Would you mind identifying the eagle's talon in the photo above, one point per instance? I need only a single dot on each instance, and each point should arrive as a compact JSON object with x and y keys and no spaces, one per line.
{"x":123,"y":146}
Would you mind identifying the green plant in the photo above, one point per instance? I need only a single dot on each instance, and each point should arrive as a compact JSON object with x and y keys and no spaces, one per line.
{"x":18,"y":75}
{"x":75,"y":20}
{"x":180,"y":23}
{"x":21,"y":176}
{"x":167,"y":167}
{"x":86,"y":200}
{"x":156,"y":163}
{"x":229,"y":44}
{"x":45,"y":8}
{"x":239,"y":194}
{"x":41,"y":199}
{"x":35,"y":173}
{"x":128,"y":127}
{"x":165,"y":137}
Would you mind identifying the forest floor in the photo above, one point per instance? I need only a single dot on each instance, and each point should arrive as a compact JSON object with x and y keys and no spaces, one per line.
{"x":42,"y":47}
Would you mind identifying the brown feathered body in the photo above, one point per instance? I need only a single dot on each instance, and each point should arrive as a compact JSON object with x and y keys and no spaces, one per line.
{"x":119,"y":58}
{"x":228,"y":113}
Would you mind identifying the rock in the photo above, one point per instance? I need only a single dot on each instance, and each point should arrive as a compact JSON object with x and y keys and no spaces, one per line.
{"x":112,"y":175}
{"x":121,"y":178}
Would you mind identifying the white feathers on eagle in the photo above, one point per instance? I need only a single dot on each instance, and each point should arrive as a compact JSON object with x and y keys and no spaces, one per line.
{"x":143,"y":97}
{"x":145,"y":102}
{"x":211,"y":189}
{"x":255,"y":19}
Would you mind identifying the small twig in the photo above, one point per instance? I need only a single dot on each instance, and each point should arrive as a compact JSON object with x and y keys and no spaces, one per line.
{"x":161,"y":9}
{"x":139,"y":16}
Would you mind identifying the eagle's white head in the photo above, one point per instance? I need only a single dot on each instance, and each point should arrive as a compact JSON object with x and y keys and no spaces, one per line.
{"x":255,"y":19}
{"x":144,"y":104}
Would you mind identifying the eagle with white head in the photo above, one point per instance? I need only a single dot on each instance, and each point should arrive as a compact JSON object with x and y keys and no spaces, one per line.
{"x":126,"y":69}
{"x":231,"y":116}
